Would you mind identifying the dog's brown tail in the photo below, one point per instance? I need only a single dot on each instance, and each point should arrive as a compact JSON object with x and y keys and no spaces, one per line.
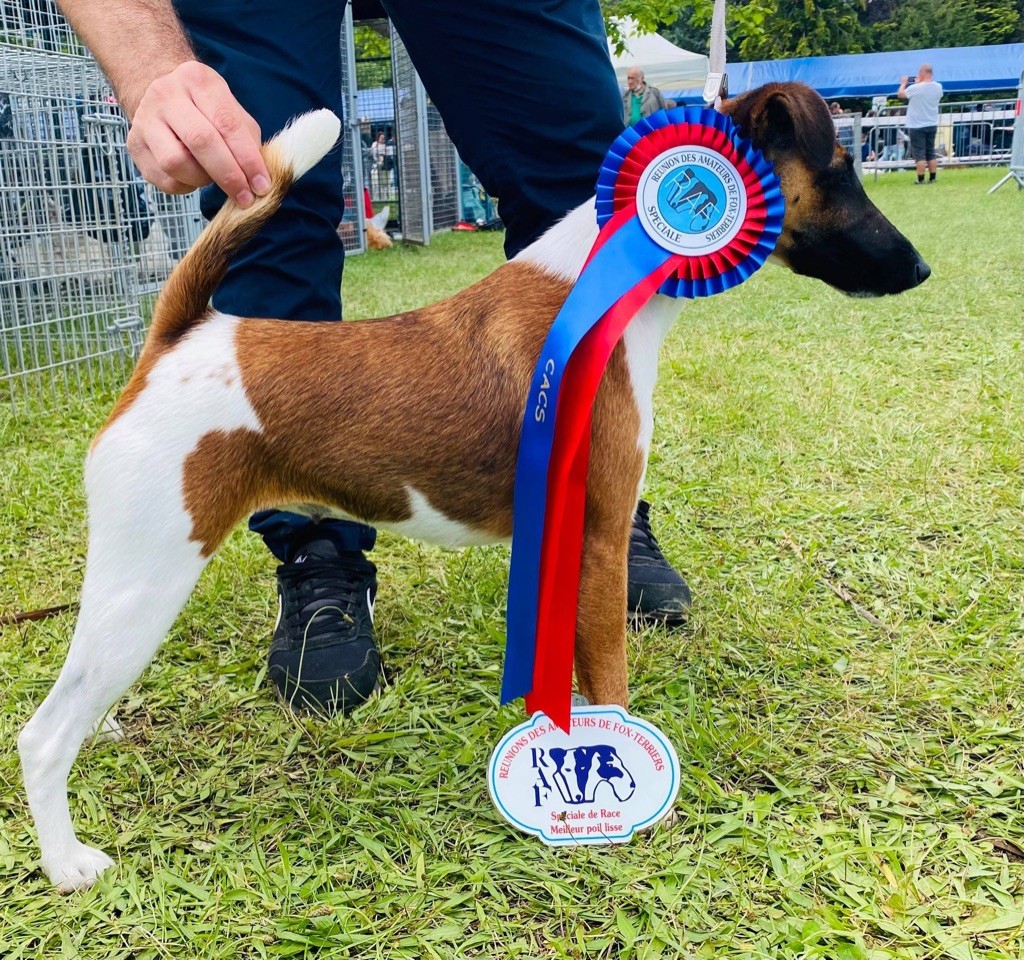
{"x":185,"y":300}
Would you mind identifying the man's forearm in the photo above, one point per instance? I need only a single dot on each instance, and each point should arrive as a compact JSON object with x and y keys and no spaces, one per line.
{"x":135,"y":41}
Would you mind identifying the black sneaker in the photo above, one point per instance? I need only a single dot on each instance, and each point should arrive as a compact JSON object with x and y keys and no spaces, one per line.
{"x":656,"y":591}
{"x":323,"y":656}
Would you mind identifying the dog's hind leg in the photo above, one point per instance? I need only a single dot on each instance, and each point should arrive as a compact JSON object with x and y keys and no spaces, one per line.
{"x":124,"y":616}
{"x":141,"y":568}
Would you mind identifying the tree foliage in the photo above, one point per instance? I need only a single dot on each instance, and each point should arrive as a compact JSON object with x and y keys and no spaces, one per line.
{"x":950,"y":23}
{"x":770,"y":29}
{"x":776,"y":29}
{"x":371,"y":41}
{"x":651,"y":16}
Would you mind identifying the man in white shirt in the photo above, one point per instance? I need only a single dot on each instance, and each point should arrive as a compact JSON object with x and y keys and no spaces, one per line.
{"x":922,"y":98}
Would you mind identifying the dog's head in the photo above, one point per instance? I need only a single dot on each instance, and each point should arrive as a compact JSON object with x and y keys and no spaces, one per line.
{"x":832,"y":231}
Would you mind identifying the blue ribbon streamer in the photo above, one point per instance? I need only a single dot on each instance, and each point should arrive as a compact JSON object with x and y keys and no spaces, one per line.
{"x":627,"y":256}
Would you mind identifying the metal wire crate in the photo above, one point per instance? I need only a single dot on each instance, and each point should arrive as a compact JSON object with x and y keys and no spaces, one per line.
{"x":38,"y":25}
{"x":443,"y":163}
{"x":353,"y":223}
{"x":427,"y":161}
{"x":84,"y":243}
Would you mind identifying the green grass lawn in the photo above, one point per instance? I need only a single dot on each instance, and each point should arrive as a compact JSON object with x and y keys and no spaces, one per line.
{"x":841,"y":482}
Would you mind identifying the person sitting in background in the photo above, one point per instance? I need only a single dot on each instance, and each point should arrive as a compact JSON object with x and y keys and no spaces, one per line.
{"x":866,"y":153}
{"x":640,"y":99}
{"x":896,"y":146}
{"x":378,"y":154}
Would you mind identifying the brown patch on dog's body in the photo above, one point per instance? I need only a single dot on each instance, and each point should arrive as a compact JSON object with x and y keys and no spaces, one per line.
{"x":355,"y":414}
{"x":430,"y":399}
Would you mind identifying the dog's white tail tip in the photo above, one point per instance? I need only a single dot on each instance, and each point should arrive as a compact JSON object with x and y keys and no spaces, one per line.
{"x":306,"y":140}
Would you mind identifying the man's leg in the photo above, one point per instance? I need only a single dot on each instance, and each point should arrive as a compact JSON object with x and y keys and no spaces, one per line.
{"x":529,"y":97}
{"x":929,"y":143}
{"x":917,"y":151}
{"x":323,"y":655}
{"x":527,"y":93}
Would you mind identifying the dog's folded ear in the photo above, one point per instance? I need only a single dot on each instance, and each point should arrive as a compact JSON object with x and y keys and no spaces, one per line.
{"x":786,"y":119}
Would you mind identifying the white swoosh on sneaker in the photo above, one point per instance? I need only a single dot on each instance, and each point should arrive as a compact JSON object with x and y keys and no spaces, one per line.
{"x":369,"y":603}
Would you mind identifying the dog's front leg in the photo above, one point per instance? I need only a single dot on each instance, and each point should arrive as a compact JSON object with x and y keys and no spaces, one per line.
{"x":617,"y":459}
{"x":601,"y":617}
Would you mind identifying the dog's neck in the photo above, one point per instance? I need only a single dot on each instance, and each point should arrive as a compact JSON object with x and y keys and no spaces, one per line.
{"x":564,"y":249}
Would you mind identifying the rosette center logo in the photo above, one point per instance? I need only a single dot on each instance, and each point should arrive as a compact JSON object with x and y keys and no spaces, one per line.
{"x":692,"y":200}
{"x":611,"y":776}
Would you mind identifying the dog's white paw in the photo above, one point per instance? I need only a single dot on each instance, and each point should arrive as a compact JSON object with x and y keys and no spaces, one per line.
{"x":77,"y":869}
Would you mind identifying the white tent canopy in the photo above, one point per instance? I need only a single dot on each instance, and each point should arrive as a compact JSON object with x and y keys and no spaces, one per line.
{"x":665,"y":65}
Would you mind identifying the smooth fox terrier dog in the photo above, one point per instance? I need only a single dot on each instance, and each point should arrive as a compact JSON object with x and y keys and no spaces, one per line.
{"x":210,"y":427}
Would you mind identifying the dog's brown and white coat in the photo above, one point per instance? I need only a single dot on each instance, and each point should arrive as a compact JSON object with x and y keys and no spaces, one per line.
{"x":410,"y":423}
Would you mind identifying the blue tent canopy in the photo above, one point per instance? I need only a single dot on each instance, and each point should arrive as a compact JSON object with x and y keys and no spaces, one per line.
{"x":376,"y":104}
{"x":959,"y":70}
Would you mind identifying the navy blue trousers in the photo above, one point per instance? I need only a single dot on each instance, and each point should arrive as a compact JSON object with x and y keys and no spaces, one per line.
{"x":526,"y":91}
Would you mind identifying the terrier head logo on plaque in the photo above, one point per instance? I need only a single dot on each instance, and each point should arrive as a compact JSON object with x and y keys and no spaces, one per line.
{"x":611,"y":776}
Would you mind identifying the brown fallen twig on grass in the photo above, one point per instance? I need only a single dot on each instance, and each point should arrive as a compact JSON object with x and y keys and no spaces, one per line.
{"x":1006,"y":847}
{"x":839,"y":589}
{"x":8,"y":619}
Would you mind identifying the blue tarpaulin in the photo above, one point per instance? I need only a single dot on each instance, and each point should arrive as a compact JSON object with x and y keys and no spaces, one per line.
{"x":376,"y":104}
{"x":959,"y":70}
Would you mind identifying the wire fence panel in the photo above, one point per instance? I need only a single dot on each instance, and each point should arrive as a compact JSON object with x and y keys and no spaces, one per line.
{"x":353,"y":223}
{"x":38,"y":25}
{"x":411,"y":142}
{"x":1016,"y":143}
{"x":83,"y":241}
{"x":978,"y":133}
{"x":445,"y":207}
{"x":848,"y":133}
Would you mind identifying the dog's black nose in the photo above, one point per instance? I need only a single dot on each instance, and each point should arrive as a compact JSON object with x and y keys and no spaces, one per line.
{"x":921,"y":272}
